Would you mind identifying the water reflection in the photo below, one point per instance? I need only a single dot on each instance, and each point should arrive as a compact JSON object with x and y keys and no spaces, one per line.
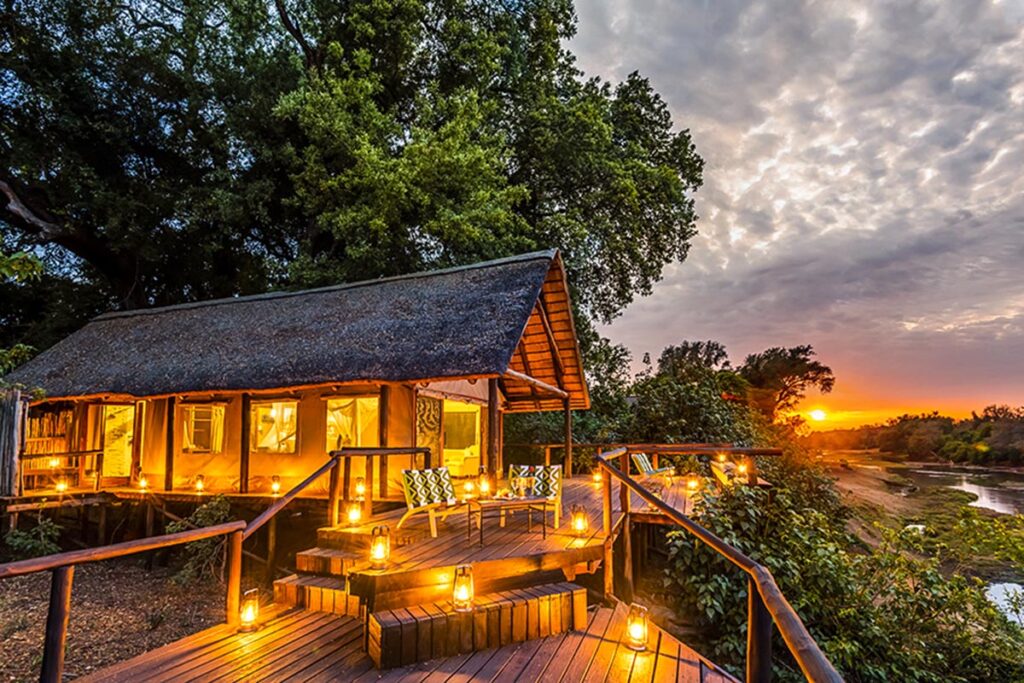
{"x":987,"y":485}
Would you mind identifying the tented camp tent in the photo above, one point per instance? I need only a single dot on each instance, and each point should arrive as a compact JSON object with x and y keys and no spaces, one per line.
{"x":241,"y":391}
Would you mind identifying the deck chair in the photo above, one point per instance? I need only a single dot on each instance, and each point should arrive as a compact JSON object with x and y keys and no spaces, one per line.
{"x":429,"y":491}
{"x":643,"y":463}
{"x":547,"y":483}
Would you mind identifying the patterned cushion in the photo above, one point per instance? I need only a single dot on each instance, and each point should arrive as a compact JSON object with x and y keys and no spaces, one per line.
{"x":426,"y":487}
{"x":547,"y":479}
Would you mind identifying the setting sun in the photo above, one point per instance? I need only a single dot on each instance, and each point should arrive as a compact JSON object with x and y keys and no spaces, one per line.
{"x":818,"y":415}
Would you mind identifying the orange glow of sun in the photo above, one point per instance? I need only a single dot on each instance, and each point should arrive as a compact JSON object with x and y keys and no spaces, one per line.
{"x":818,"y":415}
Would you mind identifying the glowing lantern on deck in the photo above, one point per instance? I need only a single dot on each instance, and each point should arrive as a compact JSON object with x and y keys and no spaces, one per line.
{"x":692,"y":483}
{"x":468,"y":487}
{"x":250,"y":611}
{"x":636,"y":627}
{"x":275,"y":484}
{"x":200,"y":483}
{"x":721,"y":457}
{"x":462,"y":590}
{"x":54,"y":462}
{"x":354,"y":513}
{"x":579,"y":520}
{"x":143,"y":483}
{"x":483,"y":483}
{"x":360,"y":488}
{"x":61,"y":486}
{"x":380,"y":546}
{"x":741,"y":469}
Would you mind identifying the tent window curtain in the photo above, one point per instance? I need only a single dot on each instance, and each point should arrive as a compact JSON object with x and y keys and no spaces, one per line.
{"x":274,"y":426}
{"x":202,"y":428}
{"x":353,"y":422}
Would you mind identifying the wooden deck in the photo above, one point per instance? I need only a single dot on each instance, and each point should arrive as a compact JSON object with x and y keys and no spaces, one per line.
{"x":311,"y":646}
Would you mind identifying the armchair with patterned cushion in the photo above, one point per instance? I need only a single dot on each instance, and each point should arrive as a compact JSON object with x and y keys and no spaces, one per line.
{"x":428,"y":491}
{"x":547,"y":483}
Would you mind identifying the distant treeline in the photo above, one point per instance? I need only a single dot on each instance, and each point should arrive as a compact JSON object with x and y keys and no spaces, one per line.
{"x":994,"y":436}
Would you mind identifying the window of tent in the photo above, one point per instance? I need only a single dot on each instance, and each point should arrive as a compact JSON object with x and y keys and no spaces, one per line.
{"x":460,"y":425}
{"x":273,"y":426}
{"x":202,"y":428}
{"x":353,"y":421}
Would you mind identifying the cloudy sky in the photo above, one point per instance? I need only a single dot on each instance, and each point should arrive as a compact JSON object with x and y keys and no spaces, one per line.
{"x":864,"y":188}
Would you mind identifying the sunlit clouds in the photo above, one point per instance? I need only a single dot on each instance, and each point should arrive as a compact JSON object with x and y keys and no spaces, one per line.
{"x":864,"y":189}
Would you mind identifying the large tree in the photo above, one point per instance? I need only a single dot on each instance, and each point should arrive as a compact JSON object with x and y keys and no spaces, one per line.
{"x":156,"y":152}
{"x":780,"y":377}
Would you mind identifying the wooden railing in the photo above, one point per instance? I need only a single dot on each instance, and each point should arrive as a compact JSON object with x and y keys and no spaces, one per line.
{"x":345,"y":489}
{"x":765,"y":602}
{"x":62,"y":566}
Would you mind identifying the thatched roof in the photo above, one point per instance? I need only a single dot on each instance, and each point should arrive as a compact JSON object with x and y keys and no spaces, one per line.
{"x":455,"y":323}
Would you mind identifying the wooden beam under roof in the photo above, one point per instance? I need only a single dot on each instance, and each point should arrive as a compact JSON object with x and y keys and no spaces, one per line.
{"x":543,"y":386}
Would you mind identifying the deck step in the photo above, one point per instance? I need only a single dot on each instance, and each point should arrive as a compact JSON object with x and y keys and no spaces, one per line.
{"x":356,"y":540}
{"x":422,"y":632}
{"x":316,"y":594}
{"x":328,"y":561}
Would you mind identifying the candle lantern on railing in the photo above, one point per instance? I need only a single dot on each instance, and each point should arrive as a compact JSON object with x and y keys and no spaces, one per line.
{"x":61,"y":486}
{"x":741,"y":469}
{"x":380,"y":546}
{"x":360,"y":488}
{"x":249,"y":613}
{"x":462,"y":590}
{"x":636,"y":627}
{"x":275,"y":484}
{"x":200,"y":483}
{"x":354,"y":514}
{"x":692,"y":483}
{"x":597,"y":476}
{"x":579,"y":520}
{"x":721,"y":457}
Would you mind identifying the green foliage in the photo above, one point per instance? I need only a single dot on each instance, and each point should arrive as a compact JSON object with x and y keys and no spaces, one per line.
{"x":203,"y":558}
{"x":779,"y":377}
{"x":42,"y":539}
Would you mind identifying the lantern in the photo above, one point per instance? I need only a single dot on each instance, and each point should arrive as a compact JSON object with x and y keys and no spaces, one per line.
{"x":54,"y":462}
{"x":275,"y":484}
{"x":636,"y":627}
{"x":354,"y":513}
{"x":597,"y":477}
{"x":483,"y":483}
{"x":579,"y":520}
{"x":468,"y":487}
{"x":200,"y":483}
{"x":360,"y":487}
{"x":692,"y":484}
{"x":721,"y":457}
{"x":61,"y":486}
{"x":380,"y":546}
{"x":742,"y":468}
{"x":462,"y":590}
{"x":250,"y":611}
{"x":143,"y":483}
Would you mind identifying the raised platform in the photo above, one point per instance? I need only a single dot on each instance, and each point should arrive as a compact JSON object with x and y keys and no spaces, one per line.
{"x":308,"y":646}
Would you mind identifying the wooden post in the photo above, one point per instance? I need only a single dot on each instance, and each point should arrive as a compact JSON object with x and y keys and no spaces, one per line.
{"x":149,"y":530}
{"x":243,"y":451}
{"x":368,"y":497}
{"x":759,"y":637}
{"x":547,"y":455}
{"x":493,"y":401}
{"x":57,"y":624}
{"x":627,"y":557}
{"x":606,"y":503}
{"x":333,"y":492}
{"x":272,"y":548}
{"x":623,"y":489}
{"x":234,"y":596}
{"x":101,"y":525}
{"x":567,"y":461}
{"x":99,"y":471}
{"x":751,"y":471}
{"x":501,"y":443}
{"x":385,"y":401}
{"x":169,"y":447}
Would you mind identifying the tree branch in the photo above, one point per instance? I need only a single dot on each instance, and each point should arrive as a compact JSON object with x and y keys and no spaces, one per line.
{"x":29,"y":218}
{"x":310,"y":54}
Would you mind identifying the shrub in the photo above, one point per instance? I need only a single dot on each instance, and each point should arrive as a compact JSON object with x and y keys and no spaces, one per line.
{"x":203,"y":558}
{"x":40,"y":540}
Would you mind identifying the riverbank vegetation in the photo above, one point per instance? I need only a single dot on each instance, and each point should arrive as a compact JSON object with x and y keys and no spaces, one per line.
{"x":993,"y":437}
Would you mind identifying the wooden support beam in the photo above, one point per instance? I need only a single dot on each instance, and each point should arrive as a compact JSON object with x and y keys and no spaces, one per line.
{"x":556,"y":355}
{"x":759,"y":637}
{"x":169,"y":446}
{"x":57,"y":624}
{"x":493,"y":429}
{"x":272,"y":548}
{"x":544,"y":386}
{"x":243,"y":452}
{"x":385,"y":403}
{"x":234,"y":561}
{"x":567,"y":433}
{"x":333,"y":494}
{"x":623,"y":490}
{"x":627,"y":558}
{"x":368,"y":496}
{"x":609,"y":570}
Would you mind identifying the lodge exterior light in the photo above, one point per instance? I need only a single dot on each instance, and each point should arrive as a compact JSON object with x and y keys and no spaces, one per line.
{"x":380,"y":546}
{"x":354,"y":513}
{"x":462,"y":589}
{"x":200,"y":483}
{"x":360,"y":488}
{"x":275,"y":484}
{"x":54,"y":462}
{"x":636,"y":627}
{"x":579,"y":520}
{"x":250,"y":611}
{"x":143,"y":483}
{"x":61,"y":486}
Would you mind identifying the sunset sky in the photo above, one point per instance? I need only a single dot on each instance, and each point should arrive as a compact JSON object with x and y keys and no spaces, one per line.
{"x":864,"y":189}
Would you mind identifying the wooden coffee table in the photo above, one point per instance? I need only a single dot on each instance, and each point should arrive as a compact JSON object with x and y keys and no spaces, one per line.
{"x":479,"y":507}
